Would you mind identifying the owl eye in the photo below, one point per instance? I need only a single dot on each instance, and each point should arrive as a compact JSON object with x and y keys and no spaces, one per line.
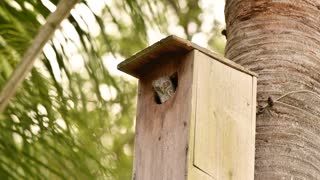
{"x":158,"y":89}
{"x":166,"y":84}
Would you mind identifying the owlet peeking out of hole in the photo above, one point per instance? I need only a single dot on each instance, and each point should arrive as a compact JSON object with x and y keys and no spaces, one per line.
{"x":164,"y":88}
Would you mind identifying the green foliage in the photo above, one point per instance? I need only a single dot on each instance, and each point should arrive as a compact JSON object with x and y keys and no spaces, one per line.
{"x":73,"y":117}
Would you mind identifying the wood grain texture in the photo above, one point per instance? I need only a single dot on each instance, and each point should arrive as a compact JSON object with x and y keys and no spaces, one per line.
{"x":280,"y":40}
{"x":162,"y":130}
{"x":224,"y":123}
{"x":206,"y":130}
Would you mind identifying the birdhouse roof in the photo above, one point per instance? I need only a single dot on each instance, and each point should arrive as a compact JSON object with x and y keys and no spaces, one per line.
{"x":171,"y":45}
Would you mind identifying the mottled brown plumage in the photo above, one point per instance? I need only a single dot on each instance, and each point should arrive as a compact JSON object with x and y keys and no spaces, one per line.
{"x":164,"y":88}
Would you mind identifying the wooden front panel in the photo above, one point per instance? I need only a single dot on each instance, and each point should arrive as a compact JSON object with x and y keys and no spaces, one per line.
{"x":224,"y":120}
{"x":161,"y":142}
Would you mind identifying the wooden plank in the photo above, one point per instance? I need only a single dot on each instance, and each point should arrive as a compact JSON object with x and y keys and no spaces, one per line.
{"x":224,"y":127}
{"x":194,"y":173}
{"x":170,"y":45}
{"x":162,"y":130}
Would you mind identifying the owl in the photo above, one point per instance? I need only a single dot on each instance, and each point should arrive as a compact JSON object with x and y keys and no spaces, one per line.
{"x":164,"y":88}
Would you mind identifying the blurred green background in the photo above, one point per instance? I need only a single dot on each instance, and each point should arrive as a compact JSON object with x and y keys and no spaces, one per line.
{"x":73,"y":117}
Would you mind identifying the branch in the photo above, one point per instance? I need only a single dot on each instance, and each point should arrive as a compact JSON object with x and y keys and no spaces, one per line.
{"x":260,"y":109}
{"x":53,"y":21}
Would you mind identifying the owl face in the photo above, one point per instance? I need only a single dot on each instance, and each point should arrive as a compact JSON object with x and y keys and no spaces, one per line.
{"x":164,"y":88}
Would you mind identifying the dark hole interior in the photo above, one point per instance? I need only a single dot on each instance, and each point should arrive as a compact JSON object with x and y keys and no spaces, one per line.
{"x":157,"y":98}
{"x":174,"y":80}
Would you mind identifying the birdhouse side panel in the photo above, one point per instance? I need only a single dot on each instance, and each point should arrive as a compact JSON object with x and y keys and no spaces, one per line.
{"x":224,"y":126}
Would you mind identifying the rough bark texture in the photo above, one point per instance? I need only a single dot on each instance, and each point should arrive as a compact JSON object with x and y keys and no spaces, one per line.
{"x":280,"y":40}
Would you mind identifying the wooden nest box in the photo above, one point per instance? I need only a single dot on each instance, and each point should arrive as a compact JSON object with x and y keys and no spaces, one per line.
{"x":196,"y":114}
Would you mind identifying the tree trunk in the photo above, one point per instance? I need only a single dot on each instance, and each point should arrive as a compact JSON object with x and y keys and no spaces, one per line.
{"x":280,"y":40}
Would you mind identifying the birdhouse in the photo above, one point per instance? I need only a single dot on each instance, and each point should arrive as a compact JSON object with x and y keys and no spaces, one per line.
{"x":195,"y":116}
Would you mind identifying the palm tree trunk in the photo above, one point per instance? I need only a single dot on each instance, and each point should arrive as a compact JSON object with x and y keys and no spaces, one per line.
{"x":280,"y":40}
